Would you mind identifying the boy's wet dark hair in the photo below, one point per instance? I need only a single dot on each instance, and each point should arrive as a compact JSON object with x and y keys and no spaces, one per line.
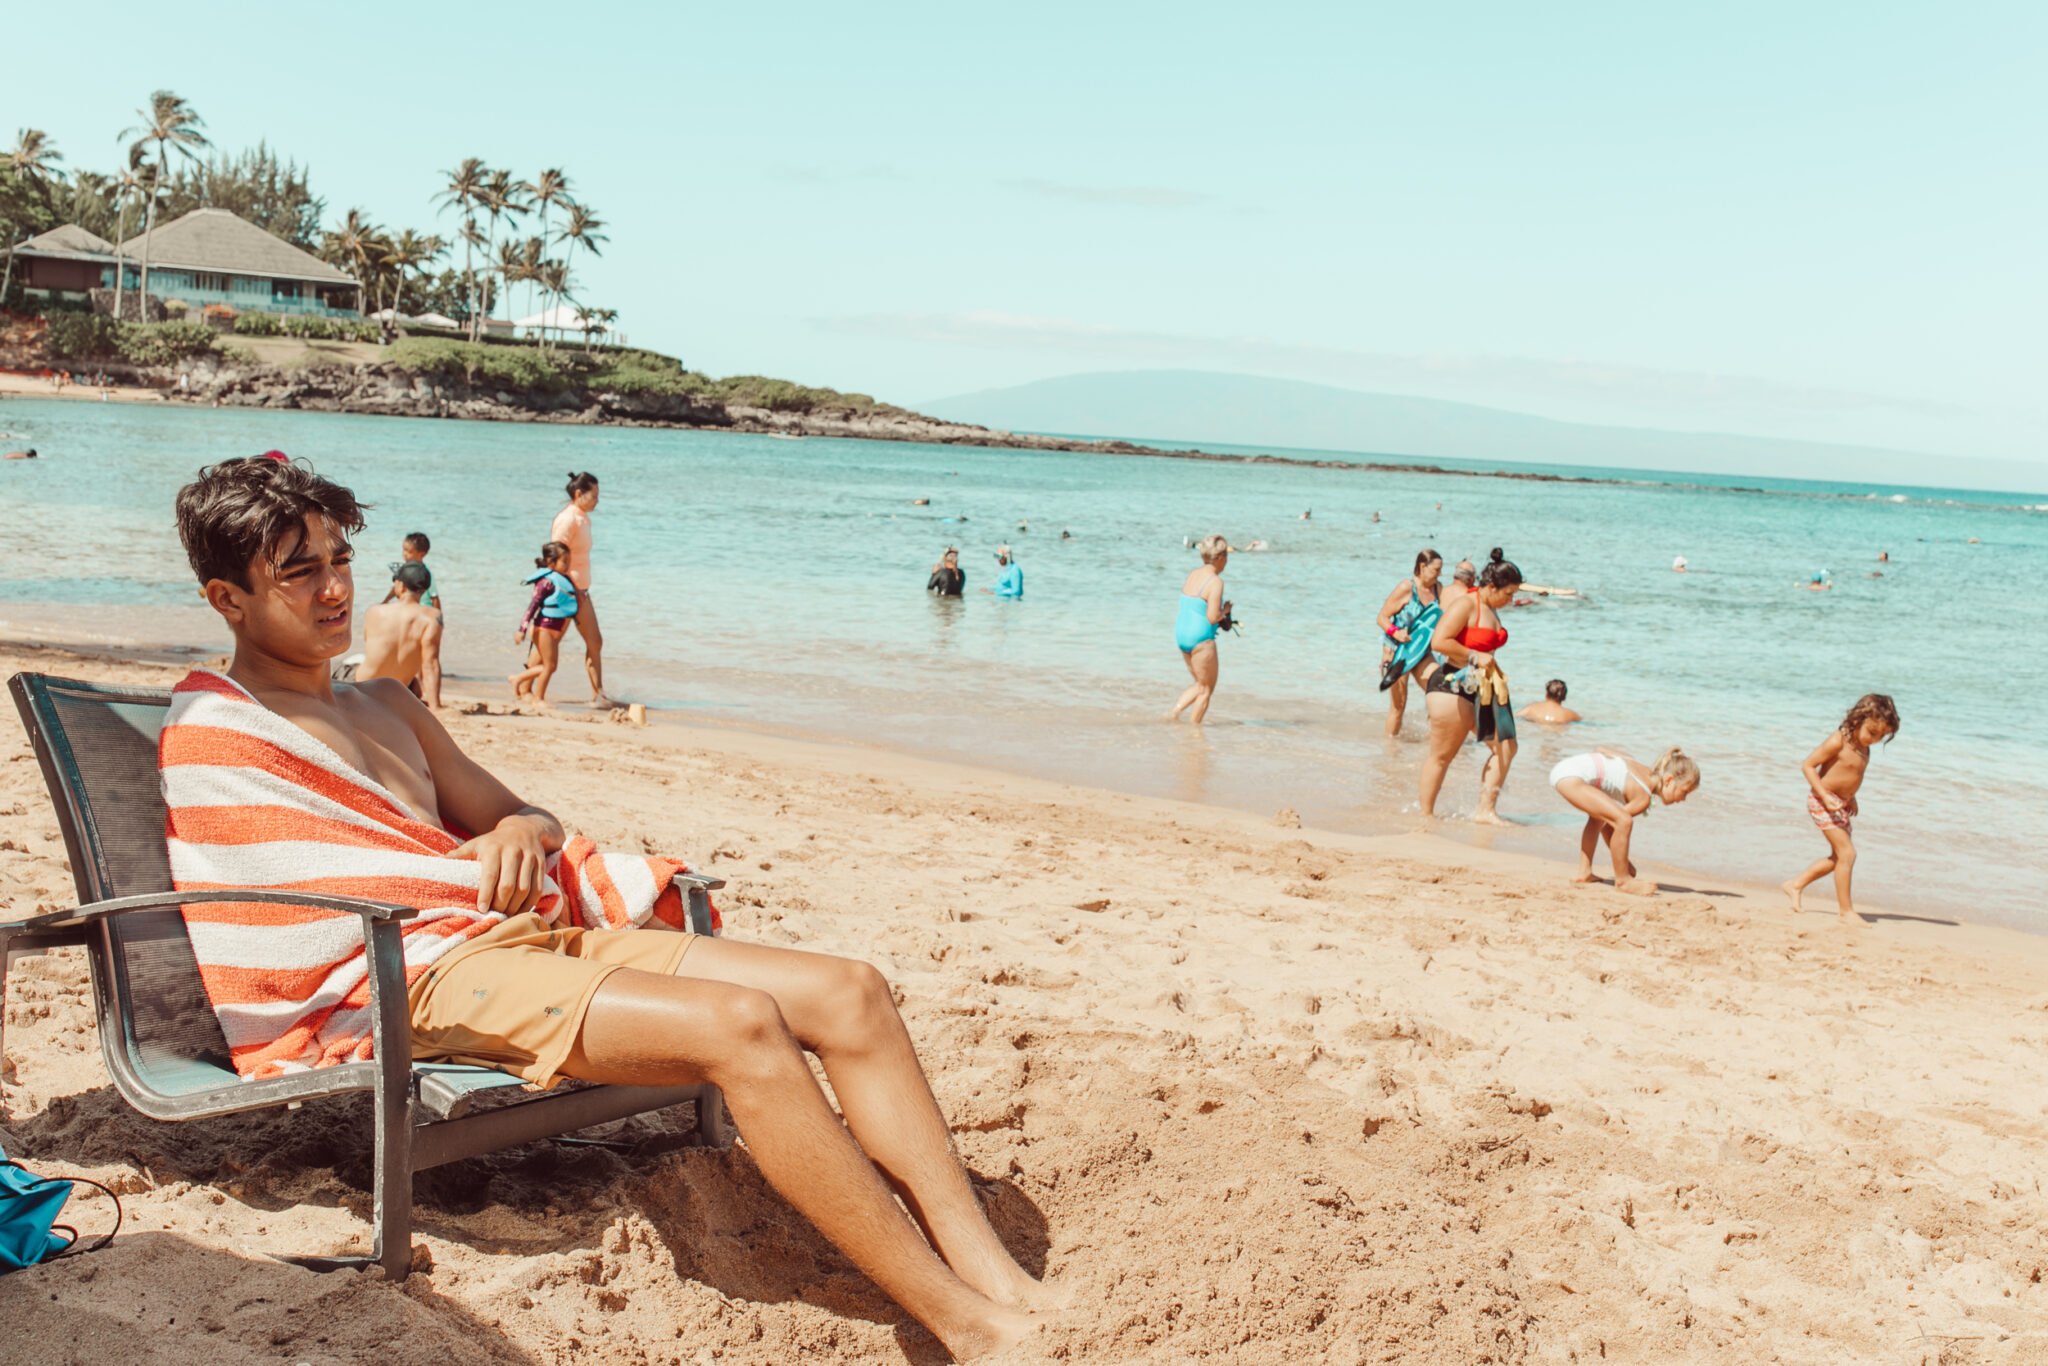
{"x":238,"y":510}
{"x":413,"y":577}
{"x":1554,"y":690}
{"x":1872,"y":706}
{"x":417,"y":542}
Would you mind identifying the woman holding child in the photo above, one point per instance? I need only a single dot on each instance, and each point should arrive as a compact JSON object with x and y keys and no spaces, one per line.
{"x":1466,"y":691}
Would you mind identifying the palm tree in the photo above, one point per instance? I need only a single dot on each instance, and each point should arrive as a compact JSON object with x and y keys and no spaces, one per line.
{"x":554,"y":283}
{"x":359,"y":246}
{"x":518,"y":263}
{"x":410,"y":253}
{"x":130,"y":184}
{"x":503,"y":197}
{"x":582,"y":228}
{"x":597,"y":322}
{"x":464,"y":189}
{"x":549,"y":188}
{"x":34,"y":160}
{"x":168,"y":122}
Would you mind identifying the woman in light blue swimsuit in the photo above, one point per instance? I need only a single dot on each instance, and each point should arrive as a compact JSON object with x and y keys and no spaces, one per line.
{"x":1202,"y":608}
{"x":1406,"y":619}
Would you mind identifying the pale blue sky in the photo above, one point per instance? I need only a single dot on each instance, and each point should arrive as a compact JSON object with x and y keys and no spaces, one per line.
{"x":1821,"y":220}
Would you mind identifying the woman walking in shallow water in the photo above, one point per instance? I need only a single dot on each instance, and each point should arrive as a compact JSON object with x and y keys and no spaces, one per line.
{"x":572,"y":529}
{"x":1405,"y":615}
{"x":1203,"y":608}
{"x":1469,"y":694}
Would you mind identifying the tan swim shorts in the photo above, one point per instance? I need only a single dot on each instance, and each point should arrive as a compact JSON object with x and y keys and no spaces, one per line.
{"x":514,"y":997}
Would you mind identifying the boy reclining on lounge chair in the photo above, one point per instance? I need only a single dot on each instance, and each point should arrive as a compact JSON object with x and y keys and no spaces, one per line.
{"x":533,"y":952}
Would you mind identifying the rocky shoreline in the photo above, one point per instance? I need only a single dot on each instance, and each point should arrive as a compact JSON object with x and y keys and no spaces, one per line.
{"x":391,"y":390}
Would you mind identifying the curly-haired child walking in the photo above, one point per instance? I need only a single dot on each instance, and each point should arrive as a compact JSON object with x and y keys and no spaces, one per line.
{"x":1835,"y":771}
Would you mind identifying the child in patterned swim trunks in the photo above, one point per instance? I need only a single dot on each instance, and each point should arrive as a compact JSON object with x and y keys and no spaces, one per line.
{"x":1834,"y":772}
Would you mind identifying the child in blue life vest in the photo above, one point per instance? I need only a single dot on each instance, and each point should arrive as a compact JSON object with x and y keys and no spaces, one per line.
{"x":547,"y":616}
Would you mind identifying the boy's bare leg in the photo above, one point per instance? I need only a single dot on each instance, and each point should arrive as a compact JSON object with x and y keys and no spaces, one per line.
{"x":1845,"y":865}
{"x":1819,"y":869}
{"x":841,"y":1010}
{"x":649,"y":1029}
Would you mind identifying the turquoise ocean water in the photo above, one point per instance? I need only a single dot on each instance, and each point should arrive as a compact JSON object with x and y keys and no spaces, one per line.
{"x":778,"y":583}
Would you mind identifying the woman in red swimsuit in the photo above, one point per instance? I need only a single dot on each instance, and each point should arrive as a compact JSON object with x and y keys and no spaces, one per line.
{"x":1469,"y":694}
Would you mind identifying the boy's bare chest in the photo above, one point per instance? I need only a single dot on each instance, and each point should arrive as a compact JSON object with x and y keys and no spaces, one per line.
{"x":379,"y":746}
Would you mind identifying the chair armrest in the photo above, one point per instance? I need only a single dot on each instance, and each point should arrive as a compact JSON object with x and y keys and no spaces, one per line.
{"x":704,"y":880}
{"x":149,"y":901}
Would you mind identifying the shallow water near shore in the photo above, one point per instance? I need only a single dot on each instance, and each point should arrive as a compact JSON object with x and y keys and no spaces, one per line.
{"x":778,"y":583}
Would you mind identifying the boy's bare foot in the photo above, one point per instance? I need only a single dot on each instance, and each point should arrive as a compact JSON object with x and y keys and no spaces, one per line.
{"x":1636,"y":886}
{"x":1001,"y":1328}
{"x":1488,"y":817}
{"x":1850,"y":917}
{"x":1583,"y":875}
{"x":1794,"y":892}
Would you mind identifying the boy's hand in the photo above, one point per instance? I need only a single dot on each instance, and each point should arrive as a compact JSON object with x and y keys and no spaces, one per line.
{"x":1831,"y":801}
{"x":511,"y":865}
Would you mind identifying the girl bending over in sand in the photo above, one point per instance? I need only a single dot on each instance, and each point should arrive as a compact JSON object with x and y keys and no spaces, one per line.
{"x":554,"y":605}
{"x":1835,"y":771}
{"x":1614,"y":790}
{"x":1203,"y":609}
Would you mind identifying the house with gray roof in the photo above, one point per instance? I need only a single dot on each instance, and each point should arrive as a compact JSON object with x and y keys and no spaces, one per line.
{"x":209,"y":256}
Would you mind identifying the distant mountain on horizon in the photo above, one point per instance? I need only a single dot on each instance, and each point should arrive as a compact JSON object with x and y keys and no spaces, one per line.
{"x":1220,"y":408}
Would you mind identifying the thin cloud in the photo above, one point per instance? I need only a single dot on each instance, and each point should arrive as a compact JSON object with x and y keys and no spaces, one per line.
{"x":1469,"y":378}
{"x":1114,"y":196}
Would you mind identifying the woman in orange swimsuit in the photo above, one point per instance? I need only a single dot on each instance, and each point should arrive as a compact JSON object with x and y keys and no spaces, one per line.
{"x":1469,"y":694}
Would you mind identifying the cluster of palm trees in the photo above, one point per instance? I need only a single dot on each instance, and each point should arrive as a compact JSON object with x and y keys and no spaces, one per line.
{"x":385,"y":263}
{"x":490,"y":204}
{"x":489,"y":200}
{"x":169,"y":126}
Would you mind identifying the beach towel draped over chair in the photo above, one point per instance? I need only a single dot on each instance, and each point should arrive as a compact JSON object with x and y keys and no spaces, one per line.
{"x":161,"y":1040}
{"x":254,"y":801}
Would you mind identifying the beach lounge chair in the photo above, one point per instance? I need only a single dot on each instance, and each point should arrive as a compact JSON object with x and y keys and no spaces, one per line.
{"x":163,"y":1046}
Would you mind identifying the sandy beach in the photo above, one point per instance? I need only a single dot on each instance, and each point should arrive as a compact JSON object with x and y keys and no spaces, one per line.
{"x":1256,"y":1093}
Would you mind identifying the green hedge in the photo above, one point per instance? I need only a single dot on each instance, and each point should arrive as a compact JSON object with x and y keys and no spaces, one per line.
{"x":87,"y":336}
{"x":80,"y":336}
{"x":162,"y":343}
{"x":643,"y":372}
{"x":307,"y":327}
{"x":521,"y":368}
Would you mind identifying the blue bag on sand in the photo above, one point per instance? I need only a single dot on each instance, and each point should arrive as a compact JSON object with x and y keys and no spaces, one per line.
{"x":29,"y":1205}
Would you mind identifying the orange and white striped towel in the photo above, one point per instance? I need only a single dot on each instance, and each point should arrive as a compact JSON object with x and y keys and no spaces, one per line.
{"x":255,"y":802}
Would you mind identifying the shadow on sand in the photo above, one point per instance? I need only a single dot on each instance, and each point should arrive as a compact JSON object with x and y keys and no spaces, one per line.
{"x":723,"y":1226}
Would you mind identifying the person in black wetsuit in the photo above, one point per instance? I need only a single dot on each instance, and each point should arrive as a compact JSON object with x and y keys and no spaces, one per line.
{"x":947,"y":579}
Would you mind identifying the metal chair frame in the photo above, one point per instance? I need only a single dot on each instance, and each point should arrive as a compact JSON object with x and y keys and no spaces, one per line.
{"x":426,"y":1114}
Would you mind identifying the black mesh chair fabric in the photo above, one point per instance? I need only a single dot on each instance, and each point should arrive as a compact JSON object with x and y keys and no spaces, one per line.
{"x":110,"y":741}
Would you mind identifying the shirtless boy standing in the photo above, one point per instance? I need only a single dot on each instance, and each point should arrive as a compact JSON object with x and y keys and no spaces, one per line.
{"x":402,"y":636}
{"x":1835,"y":771}
{"x":268,"y":541}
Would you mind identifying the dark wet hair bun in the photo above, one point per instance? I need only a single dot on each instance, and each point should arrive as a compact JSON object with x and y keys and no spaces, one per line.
{"x":1500,"y":572}
{"x":580,"y":483}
